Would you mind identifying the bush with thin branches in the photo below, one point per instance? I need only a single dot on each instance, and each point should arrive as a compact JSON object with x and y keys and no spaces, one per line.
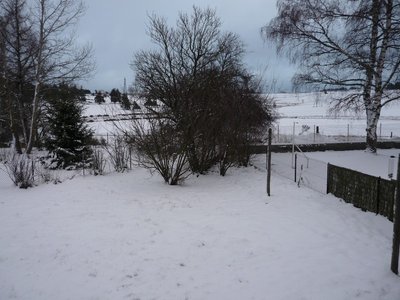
{"x":98,"y":161}
{"x":118,"y":153}
{"x":158,"y":146}
{"x":21,"y":170}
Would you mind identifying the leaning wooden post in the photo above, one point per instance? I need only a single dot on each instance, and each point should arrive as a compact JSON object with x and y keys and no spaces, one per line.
{"x":396,"y":225}
{"x":269,"y":162}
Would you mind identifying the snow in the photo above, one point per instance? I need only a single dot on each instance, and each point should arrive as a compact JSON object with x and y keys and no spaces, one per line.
{"x":364,"y":162}
{"x":361,"y":161}
{"x":311,"y":109}
{"x":130,"y":236}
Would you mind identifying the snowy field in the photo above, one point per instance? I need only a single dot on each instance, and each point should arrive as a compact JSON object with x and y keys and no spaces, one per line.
{"x":130,"y":236}
{"x":313,"y":109}
{"x":294,"y":109}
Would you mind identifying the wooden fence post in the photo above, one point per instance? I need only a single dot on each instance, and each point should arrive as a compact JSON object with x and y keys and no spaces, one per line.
{"x":295,"y":167}
{"x":396,"y":226}
{"x":269,"y":162}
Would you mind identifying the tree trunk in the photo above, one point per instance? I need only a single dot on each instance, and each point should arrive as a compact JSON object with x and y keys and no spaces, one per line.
{"x":35,"y":108}
{"x":14,"y":130}
{"x":371,"y":139}
{"x":38,"y":76}
{"x":16,"y":143}
{"x":373,"y":111}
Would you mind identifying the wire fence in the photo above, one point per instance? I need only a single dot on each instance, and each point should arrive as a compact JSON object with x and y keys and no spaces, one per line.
{"x":301,"y":169}
{"x":311,"y":172}
{"x":304,"y":131}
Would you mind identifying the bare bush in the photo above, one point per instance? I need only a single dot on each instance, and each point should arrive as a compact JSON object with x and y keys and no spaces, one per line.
{"x":158,"y":147}
{"x":47,"y":175}
{"x":197,"y":75}
{"x":21,"y":170}
{"x":118,"y":152}
{"x":98,"y":161}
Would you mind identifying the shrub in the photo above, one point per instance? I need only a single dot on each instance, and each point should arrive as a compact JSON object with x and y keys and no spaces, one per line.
{"x":21,"y":170}
{"x":98,"y":162}
{"x":118,"y":152}
{"x":158,"y":147}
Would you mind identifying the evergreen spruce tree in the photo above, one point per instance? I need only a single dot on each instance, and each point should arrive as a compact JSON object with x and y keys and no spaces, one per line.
{"x":67,"y":134}
{"x":135,"y":105}
{"x":99,"y":98}
{"x":115,"y":95}
{"x":125,"y":103}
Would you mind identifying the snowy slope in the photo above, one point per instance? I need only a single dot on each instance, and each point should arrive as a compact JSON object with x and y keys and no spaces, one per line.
{"x":311,"y":109}
{"x":314,"y":109}
{"x":129,"y":236}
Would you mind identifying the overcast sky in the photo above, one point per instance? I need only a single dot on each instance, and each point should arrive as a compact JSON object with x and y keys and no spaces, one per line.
{"x":117,"y":29}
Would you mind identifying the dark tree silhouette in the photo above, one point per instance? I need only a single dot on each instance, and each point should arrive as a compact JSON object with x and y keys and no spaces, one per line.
{"x":197,"y":75}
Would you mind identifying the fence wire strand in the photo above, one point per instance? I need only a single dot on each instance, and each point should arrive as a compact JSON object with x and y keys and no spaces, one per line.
{"x":305,"y":171}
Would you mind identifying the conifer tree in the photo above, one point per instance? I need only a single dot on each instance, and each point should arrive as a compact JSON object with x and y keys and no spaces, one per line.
{"x":115,"y":95}
{"x":135,"y":105}
{"x":125,"y":103}
{"x":99,"y":98}
{"x":67,"y":134}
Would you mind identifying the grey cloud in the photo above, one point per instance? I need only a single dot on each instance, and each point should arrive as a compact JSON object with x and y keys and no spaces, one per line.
{"x":117,"y":29}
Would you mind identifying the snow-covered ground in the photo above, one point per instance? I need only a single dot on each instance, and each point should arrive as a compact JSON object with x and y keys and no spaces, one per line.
{"x":368,"y":163}
{"x":312,"y":167}
{"x":314,"y":109}
{"x":130,"y":236}
{"x":361,"y":161}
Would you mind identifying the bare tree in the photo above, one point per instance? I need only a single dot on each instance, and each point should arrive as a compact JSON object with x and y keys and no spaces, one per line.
{"x":3,"y":108}
{"x":196,"y":72}
{"x":18,"y":52}
{"x":40,"y":50}
{"x":348,"y":43}
{"x":56,"y":58}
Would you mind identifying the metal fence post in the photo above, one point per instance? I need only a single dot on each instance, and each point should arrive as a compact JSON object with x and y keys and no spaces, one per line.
{"x":269,"y":162}
{"x":394,"y":266}
{"x":278,"y":133}
{"x":328,"y":171}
